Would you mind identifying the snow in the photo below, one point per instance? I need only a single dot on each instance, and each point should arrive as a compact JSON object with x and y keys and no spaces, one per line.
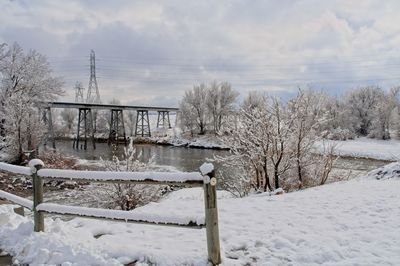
{"x":136,"y":215}
{"x":35,"y":162}
{"x":346,"y":223}
{"x":206,"y":168}
{"x":366,"y":148}
{"x":204,"y":142}
{"x":15,"y":169}
{"x":16,"y":199}
{"x":125,"y":176}
{"x":386,"y":172}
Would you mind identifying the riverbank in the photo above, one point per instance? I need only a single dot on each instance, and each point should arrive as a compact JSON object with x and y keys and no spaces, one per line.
{"x":198,"y":142}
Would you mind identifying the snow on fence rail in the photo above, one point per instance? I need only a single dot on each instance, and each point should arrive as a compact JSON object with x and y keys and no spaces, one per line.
{"x":15,"y":169}
{"x":206,"y":179}
{"x":16,"y":199}
{"x":192,"y":178}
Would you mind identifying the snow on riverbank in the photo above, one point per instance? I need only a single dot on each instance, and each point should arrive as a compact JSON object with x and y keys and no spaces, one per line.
{"x":366,"y":148}
{"x":345,"y":223}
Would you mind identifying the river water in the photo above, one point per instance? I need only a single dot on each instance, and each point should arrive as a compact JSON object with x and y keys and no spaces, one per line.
{"x":170,"y":157}
{"x":190,"y":159}
{"x":181,"y":158}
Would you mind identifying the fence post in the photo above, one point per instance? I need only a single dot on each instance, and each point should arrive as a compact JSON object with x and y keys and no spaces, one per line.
{"x":211,"y":213}
{"x":37,"y":180}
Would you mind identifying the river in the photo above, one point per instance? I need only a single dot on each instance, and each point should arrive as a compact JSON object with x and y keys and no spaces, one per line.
{"x":170,"y":157}
{"x":190,"y":159}
{"x":180,"y":158}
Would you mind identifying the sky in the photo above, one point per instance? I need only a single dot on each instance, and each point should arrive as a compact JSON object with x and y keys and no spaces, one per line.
{"x":150,"y":52}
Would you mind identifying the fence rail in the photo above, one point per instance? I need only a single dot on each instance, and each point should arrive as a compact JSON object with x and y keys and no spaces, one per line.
{"x":204,"y":178}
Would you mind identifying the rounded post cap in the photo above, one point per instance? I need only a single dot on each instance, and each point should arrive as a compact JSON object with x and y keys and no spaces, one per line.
{"x":35,"y":164}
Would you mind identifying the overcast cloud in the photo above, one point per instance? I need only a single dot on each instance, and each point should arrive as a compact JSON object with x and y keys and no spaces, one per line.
{"x":149,"y":52}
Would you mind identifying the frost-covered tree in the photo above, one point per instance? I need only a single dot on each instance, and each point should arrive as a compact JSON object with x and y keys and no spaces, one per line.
{"x":279,"y":155}
{"x":68,"y":117}
{"x":305,"y":111}
{"x":261,"y":141}
{"x":220,"y":103}
{"x":206,"y":107}
{"x":195,"y":102}
{"x":188,"y":117}
{"x":362,"y":104}
{"x":249,"y":144}
{"x":26,"y":80}
{"x":336,"y":122}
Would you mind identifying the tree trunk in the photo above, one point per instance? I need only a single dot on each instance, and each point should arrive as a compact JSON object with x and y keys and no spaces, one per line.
{"x":267,"y":184}
{"x":276,"y":176}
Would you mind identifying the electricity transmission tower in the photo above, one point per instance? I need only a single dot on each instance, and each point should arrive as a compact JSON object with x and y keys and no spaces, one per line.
{"x":93,"y":95}
{"x":79,"y":92}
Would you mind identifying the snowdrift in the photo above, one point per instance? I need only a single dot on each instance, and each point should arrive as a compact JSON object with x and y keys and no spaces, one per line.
{"x":386,"y":172}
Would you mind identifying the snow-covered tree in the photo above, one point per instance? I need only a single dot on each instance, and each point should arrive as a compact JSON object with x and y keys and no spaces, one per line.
{"x":205,"y":105}
{"x":336,"y":122}
{"x":26,"y":80}
{"x":195,"y":102}
{"x":305,"y":111}
{"x":220,"y":103}
{"x":279,"y":155}
{"x":68,"y":117}
{"x":249,"y":146}
{"x":362,"y":105}
{"x":188,"y":117}
{"x":261,"y":141}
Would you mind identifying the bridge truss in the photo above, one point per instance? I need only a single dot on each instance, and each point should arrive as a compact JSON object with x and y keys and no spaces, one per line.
{"x":85,"y":127}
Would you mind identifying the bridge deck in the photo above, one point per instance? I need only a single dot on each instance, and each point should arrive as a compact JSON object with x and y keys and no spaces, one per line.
{"x":106,"y":106}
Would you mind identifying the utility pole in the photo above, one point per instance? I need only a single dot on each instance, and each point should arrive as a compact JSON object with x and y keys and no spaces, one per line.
{"x":79,"y":92}
{"x":93,"y":95}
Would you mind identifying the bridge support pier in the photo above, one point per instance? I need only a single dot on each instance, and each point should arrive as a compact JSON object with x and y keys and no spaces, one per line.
{"x":48,"y":121}
{"x":117,"y":127}
{"x":85,"y":128}
{"x":163,"y":119}
{"x":142,"y":123}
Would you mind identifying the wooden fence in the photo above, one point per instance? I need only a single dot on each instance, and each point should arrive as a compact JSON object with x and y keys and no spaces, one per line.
{"x":205,"y":178}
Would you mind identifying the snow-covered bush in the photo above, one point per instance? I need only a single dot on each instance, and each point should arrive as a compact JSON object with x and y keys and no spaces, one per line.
{"x":130,"y":196}
{"x":234,"y":175}
{"x":338,"y":134}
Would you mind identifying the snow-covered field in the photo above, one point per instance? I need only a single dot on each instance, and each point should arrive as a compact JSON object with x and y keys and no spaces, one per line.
{"x":366,"y":148}
{"x":346,"y":223}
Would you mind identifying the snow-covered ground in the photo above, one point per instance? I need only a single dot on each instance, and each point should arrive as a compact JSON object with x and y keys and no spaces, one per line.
{"x":346,"y":223}
{"x":366,"y":148}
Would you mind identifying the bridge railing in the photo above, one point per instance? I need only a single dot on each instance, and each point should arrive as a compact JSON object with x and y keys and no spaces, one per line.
{"x":205,"y":178}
